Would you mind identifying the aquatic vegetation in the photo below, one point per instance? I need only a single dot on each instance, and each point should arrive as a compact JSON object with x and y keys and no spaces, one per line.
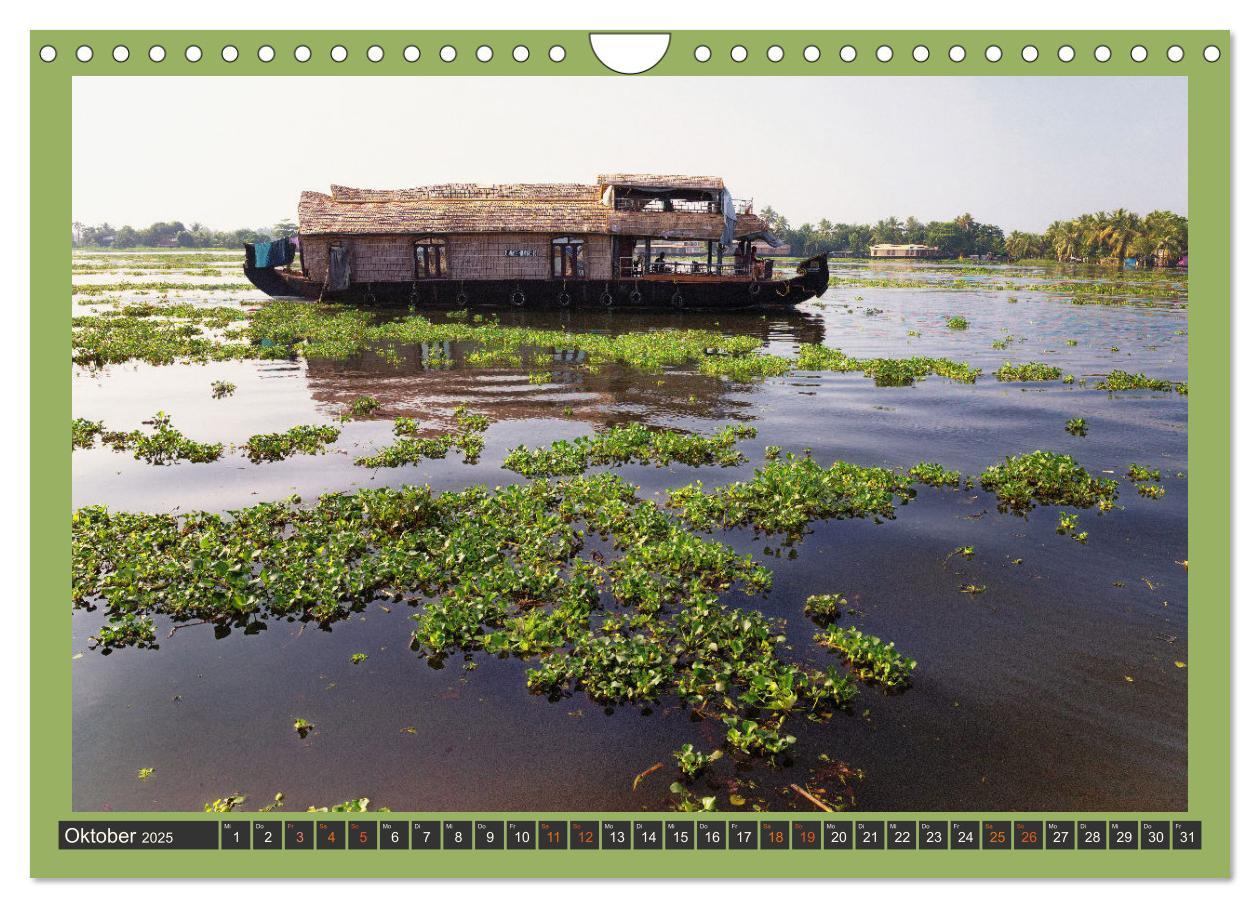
{"x":165,"y":445}
{"x":83,"y":433}
{"x":634,"y":443}
{"x":302,"y":727}
{"x":784,"y":496}
{"x":1067,"y":526}
{"x":106,"y":338}
{"x":1004,"y":342}
{"x":636,"y":620}
{"x":870,"y":659}
{"x":886,"y":372}
{"x":1044,"y":477}
{"x":1076,"y":426}
{"x":825,"y":607}
{"x":746,"y":368}
{"x":1119,"y":380}
{"x":1028,"y":372}
{"x":144,"y":772}
{"x":1070,"y":342}
{"x":325,"y":330}
{"x":1151,"y":491}
{"x":933,"y":474}
{"x":363,"y":406}
{"x":125,"y":630}
{"x":689,"y":803}
{"x":411,"y":448}
{"x":692,"y":762}
{"x":224,"y":805}
{"x":972,"y":589}
{"x":221,"y":389}
{"x":358,"y":658}
{"x":275,"y":446}
{"x":1138,"y":473}
{"x":957,"y":323}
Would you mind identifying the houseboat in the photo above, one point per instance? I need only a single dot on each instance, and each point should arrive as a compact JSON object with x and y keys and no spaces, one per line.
{"x":627,"y":240}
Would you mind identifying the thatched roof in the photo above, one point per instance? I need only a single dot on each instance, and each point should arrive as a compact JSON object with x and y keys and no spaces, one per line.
{"x":660,"y":180}
{"x":467,"y":191}
{"x":508,"y":208}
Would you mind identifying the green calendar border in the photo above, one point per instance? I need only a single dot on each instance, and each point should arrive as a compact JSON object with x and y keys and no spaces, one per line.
{"x":1209,"y":442}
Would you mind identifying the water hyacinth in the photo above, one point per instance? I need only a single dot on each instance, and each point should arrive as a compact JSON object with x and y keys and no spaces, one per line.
{"x":785,"y":495}
{"x":274,"y":446}
{"x":1028,"y":372}
{"x":1043,"y":477}
{"x":610,"y":593}
{"x":634,"y":443}
{"x":411,"y":447}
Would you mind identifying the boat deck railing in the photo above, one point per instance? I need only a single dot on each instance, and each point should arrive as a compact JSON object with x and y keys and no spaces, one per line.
{"x":632,"y":267}
{"x":743,"y":206}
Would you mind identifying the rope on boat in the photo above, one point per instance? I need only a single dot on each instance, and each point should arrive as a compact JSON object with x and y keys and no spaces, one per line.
{"x":518,"y":297}
{"x":783,"y":289}
{"x":754,"y":288}
{"x":606,"y":298}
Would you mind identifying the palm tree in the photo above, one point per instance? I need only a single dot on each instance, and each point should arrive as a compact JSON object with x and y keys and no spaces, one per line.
{"x":1117,"y":232}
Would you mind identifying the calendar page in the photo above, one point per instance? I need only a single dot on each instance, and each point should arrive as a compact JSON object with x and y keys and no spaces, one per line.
{"x":591,"y":454}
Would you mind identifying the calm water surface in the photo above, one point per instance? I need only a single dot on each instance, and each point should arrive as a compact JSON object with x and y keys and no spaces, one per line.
{"x":1057,"y":689}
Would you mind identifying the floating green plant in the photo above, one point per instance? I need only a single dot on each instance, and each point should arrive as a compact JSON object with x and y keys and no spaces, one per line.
{"x":224,"y":805}
{"x":411,"y":448}
{"x":746,"y":368}
{"x":1028,"y":372}
{"x":358,"y":658}
{"x":1044,"y":477}
{"x":1067,"y":526}
{"x":144,"y":773}
{"x":275,"y":446}
{"x":957,"y":323}
{"x":1152,"y":491}
{"x":608,"y":592}
{"x":222,"y":389}
{"x":933,"y":474}
{"x":1139,"y":473}
{"x":825,"y":607}
{"x":1118,"y":380}
{"x":1076,"y":426}
{"x":634,"y":443}
{"x":885,"y":372}
{"x":784,"y":496}
{"x":83,"y":433}
{"x":692,"y":762}
{"x":364,"y":406}
{"x":165,"y":445}
{"x":870,"y":659}
{"x":303,"y":727}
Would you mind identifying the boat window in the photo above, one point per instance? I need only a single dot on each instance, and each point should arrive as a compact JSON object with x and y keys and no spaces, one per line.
{"x":430,"y":257}
{"x":567,"y":257}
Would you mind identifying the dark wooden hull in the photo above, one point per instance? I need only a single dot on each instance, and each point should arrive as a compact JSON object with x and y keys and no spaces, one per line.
{"x":688,"y":292}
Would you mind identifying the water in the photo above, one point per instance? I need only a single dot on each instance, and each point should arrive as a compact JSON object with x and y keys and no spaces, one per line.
{"x":1056,"y":689}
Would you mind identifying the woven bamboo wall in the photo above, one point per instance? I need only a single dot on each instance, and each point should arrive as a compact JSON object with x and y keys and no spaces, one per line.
{"x":484,"y":256}
{"x":476,"y":256}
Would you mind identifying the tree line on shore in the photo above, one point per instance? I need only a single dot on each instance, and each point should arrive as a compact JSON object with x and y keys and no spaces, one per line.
{"x":173,"y":234}
{"x":1158,"y":238}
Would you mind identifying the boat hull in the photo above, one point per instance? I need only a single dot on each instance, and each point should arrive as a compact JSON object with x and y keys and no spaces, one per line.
{"x":687,"y":292}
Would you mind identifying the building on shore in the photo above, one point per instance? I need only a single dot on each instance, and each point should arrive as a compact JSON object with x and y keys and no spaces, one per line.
{"x":904,"y":251}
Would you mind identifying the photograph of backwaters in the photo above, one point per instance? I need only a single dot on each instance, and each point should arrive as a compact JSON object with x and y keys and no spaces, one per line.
{"x":912,"y":539}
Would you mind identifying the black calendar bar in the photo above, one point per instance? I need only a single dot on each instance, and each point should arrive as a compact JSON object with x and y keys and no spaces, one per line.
{"x":557,"y":834}
{"x":133,"y":835}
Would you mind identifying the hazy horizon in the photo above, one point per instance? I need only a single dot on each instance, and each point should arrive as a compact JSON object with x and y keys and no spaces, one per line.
{"x":1019,"y":152}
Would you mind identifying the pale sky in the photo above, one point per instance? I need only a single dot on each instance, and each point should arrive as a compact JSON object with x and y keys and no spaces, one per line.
{"x":1018,"y":152}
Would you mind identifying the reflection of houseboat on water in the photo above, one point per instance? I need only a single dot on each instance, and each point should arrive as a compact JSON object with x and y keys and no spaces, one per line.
{"x":629,"y":240}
